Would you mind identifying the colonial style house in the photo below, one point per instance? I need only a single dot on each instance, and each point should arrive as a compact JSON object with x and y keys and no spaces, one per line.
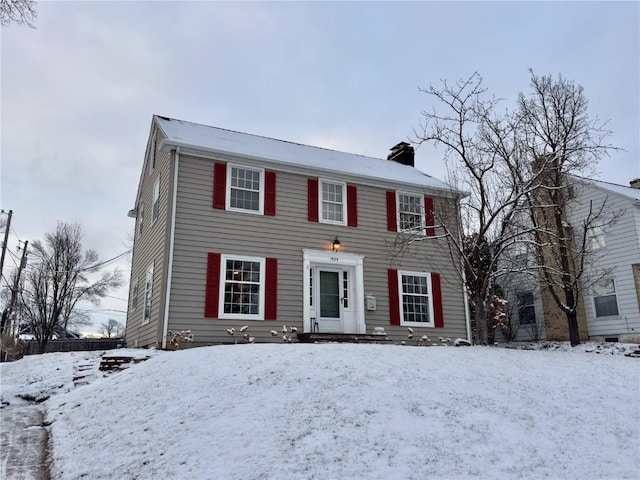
{"x":610,"y":308}
{"x":236,"y":230}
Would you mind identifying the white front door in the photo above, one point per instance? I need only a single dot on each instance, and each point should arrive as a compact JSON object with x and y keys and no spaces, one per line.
{"x":329,"y":300}
{"x":334,"y":292}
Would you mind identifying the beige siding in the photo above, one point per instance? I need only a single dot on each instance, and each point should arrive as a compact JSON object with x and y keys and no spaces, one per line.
{"x":201,"y":229}
{"x":150,"y":247}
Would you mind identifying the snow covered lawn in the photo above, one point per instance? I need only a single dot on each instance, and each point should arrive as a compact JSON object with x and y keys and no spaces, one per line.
{"x":344,"y":411}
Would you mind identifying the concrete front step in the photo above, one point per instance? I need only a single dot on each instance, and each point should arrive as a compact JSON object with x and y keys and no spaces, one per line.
{"x":341,"y":338}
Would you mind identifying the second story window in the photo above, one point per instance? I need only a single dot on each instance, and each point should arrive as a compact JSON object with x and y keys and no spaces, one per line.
{"x":141,"y":219}
{"x":245,"y":192}
{"x":156,"y":200}
{"x":595,"y":236}
{"x":410,"y":213}
{"x":333,"y":204}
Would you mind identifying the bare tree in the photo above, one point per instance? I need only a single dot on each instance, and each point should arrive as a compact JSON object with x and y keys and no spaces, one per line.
{"x":480,"y":148}
{"x":61,"y":277}
{"x":22,"y":12}
{"x":112,"y":328}
{"x":558,"y":140}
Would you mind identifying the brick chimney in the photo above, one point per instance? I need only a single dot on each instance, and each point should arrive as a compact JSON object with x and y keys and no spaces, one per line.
{"x":403,"y":153}
{"x":635,"y":183}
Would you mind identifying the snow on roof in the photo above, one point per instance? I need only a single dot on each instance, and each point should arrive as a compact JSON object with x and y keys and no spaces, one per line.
{"x":615,"y":188}
{"x":212,"y":139}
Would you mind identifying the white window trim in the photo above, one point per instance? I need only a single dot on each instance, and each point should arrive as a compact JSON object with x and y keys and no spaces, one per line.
{"x":230,"y":167}
{"x":152,"y":152}
{"x":615,"y":293}
{"x":141,"y":219}
{"x":148,"y":274}
{"x":595,"y":237}
{"x":135,"y":295}
{"x":431,"y":322}
{"x":155,"y":203}
{"x":223,"y":276}
{"x":344,"y":201}
{"x":423,"y":220}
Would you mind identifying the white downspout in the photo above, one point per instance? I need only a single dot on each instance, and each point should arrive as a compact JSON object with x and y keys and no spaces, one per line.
{"x":467,"y":313}
{"x":165,"y":328}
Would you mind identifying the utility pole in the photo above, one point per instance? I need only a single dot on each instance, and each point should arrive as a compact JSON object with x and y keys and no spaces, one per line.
{"x":6,"y":239}
{"x":14,"y":291}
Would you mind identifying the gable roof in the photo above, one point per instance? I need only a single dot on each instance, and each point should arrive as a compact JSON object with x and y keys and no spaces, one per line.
{"x":633,"y":193}
{"x":180,"y":133}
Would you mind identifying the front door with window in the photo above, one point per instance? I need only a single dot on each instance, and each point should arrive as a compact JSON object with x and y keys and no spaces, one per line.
{"x":334,"y":296}
{"x":330,"y":300}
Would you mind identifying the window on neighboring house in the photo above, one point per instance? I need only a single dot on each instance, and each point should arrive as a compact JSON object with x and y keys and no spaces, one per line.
{"x":333,"y":205}
{"x":526,"y":308}
{"x":604,"y":298}
{"x":141,"y":219}
{"x":595,"y":236}
{"x":155,"y":206}
{"x":245,"y":192}
{"x":411,"y":213}
{"x":134,"y":296}
{"x":243,"y":287}
{"x":148,"y":292}
{"x":415,"y":299}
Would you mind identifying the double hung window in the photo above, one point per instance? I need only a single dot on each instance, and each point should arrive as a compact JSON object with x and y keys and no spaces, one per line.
{"x":155,"y":206}
{"x":245,"y":189}
{"x":410,"y":213}
{"x":243,"y":287}
{"x":148,"y":293}
{"x":526,"y":308}
{"x":333,"y":202}
{"x":605,"y":301}
{"x":416,"y":305}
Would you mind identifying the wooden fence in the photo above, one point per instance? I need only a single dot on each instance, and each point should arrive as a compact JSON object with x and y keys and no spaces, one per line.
{"x":74,"y":345}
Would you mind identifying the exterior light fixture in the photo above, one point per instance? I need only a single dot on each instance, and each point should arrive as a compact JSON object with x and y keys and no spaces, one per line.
{"x":335,"y":245}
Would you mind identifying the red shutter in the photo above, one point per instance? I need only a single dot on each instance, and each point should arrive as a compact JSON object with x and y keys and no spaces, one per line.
{"x":394,"y":300}
{"x":219,"y":185}
{"x":212,"y":287}
{"x":271,"y":289}
{"x":430,"y":231}
{"x":392,"y":221}
{"x":436,"y":289}
{"x":352,"y":205}
{"x":270,"y":193}
{"x":312,"y":199}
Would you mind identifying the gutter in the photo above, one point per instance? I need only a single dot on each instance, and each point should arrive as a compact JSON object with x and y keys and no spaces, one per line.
{"x":166,"y":145}
{"x":165,"y":326}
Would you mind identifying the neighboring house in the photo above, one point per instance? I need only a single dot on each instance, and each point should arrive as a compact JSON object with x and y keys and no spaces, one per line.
{"x":610,"y":309}
{"x":235,"y":229}
{"x":612,"y":306}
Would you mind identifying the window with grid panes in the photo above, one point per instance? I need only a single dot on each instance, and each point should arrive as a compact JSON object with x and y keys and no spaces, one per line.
{"x":333,"y":204}
{"x":415,"y":290}
{"x":244,"y":189}
{"x":243,"y":283}
{"x":410,"y":213}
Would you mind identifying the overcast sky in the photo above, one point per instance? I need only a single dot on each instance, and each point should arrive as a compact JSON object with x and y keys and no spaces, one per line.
{"x":79,"y":90}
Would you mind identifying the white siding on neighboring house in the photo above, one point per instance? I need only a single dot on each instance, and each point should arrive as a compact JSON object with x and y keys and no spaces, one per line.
{"x":620,"y":251}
